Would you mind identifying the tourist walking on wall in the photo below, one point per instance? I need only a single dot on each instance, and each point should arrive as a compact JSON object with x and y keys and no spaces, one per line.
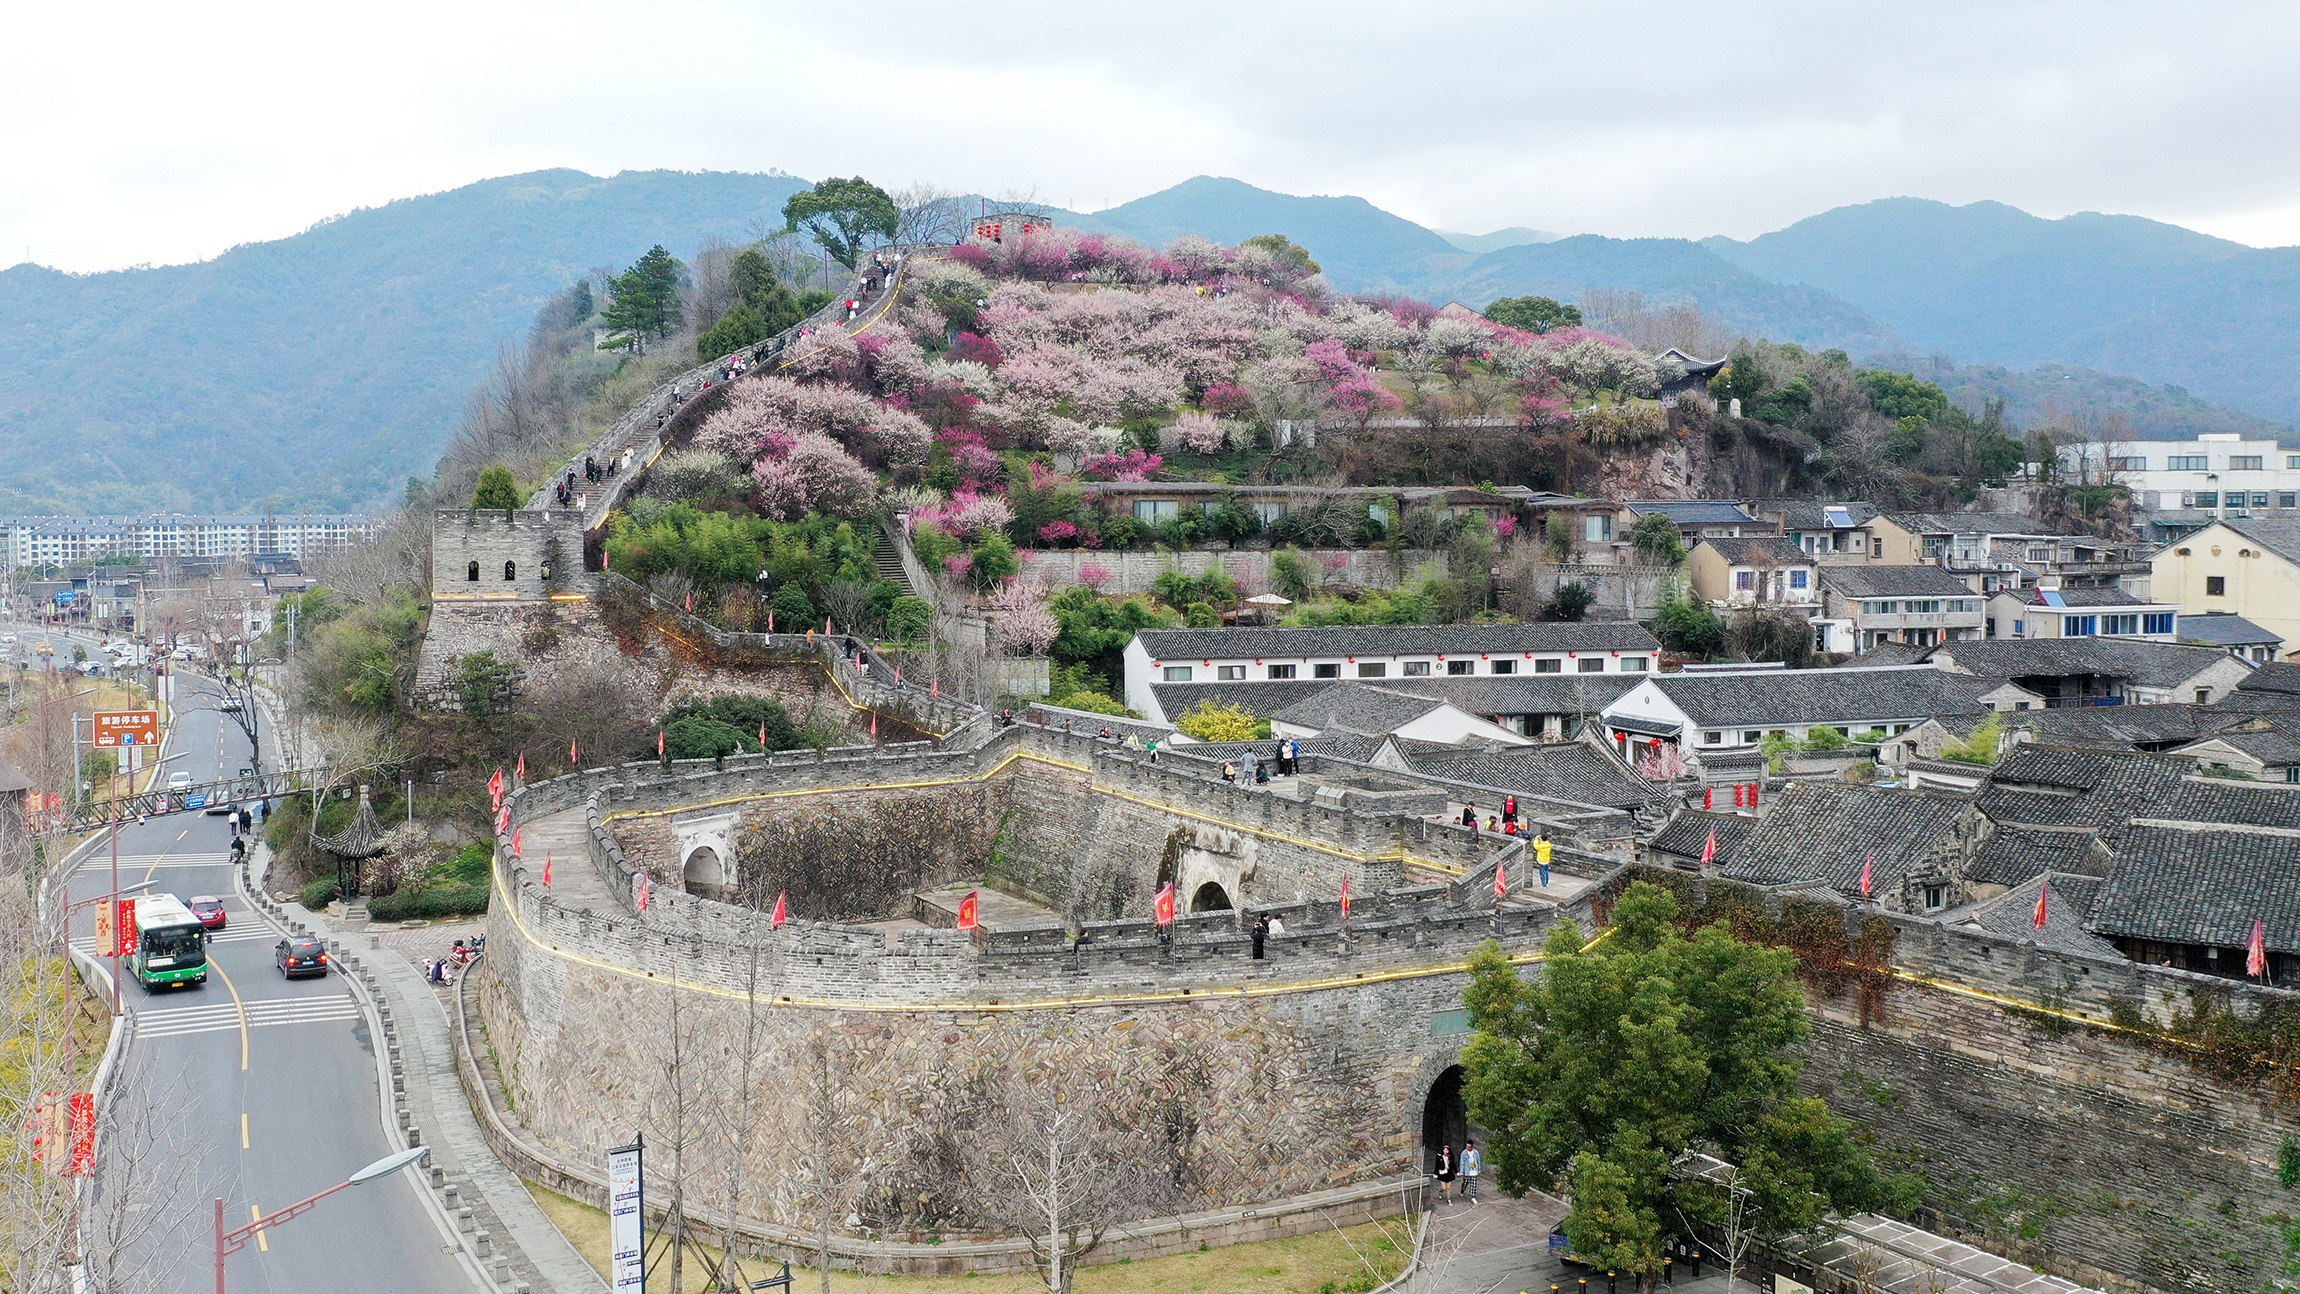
{"x":1152,"y":746}
{"x":1261,"y":934}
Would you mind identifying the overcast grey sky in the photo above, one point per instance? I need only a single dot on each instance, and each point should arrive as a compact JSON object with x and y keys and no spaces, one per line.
{"x":141,"y":132}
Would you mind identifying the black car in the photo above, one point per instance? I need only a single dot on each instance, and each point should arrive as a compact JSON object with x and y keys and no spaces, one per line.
{"x":301,"y":955}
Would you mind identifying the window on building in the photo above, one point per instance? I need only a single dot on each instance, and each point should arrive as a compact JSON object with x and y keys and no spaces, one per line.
{"x":2292,"y":461}
{"x":1633,"y":664}
{"x":1270,"y":513}
{"x":2187,"y":463}
{"x":510,"y":570}
{"x":1330,"y":670}
{"x":1282,"y":671}
{"x":2120,"y":624}
{"x":1799,"y":579}
{"x":2128,"y":464}
{"x":2292,"y":774}
{"x":472,"y":574}
{"x":1549,"y":667}
{"x":2216,"y":586}
{"x":1373,"y":669}
{"x":1712,"y":739}
{"x":1936,"y":897}
{"x":1455,"y":667}
{"x":2288,"y":499}
{"x":2204,"y":696}
{"x":1416,"y":669}
{"x":1156,"y":510}
{"x":1883,"y":608}
{"x":2244,"y":462}
{"x":1597,"y":528}
{"x":1504,"y":667}
{"x":2259,"y":500}
{"x":2156,"y":622}
{"x":1591,"y":664}
{"x":1177,"y":673}
{"x":1744,"y":580}
{"x":1751,"y":738}
{"x":2078,"y":626}
{"x":2208,"y":498}
{"x":1925,"y":607}
{"x":1227,"y":672}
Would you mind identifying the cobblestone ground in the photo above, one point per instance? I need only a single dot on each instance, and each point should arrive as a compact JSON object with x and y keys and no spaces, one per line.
{"x":425,"y":942}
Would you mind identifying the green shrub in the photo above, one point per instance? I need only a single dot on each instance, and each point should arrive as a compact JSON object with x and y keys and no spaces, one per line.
{"x":1202,"y":615}
{"x":794,"y":610}
{"x":317,"y":894}
{"x":1825,"y":739}
{"x":1092,"y":701}
{"x":909,"y":619}
{"x":430,"y":902}
{"x":932,"y":545}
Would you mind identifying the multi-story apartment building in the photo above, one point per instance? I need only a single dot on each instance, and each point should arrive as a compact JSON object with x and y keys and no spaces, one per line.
{"x":2225,"y":475}
{"x":38,"y":540}
{"x":2081,"y":613}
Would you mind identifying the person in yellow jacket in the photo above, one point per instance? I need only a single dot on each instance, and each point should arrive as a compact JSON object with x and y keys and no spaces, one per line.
{"x":1541,"y":850}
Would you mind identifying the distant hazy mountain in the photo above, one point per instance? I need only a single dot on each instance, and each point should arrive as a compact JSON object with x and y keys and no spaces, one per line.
{"x":1987,"y":282}
{"x":1667,"y":270}
{"x":1514,"y":236}
{"x":318,"y":371}
{"x":1361,"y":247}
{"x":2087,"y":398}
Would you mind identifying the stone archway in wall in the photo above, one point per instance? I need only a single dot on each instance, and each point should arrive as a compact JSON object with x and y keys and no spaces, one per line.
{"x":706,"y":851}
{"x":1210,"y":897}
{"x":1198,"y":856}
{"x":1445,"y":1117}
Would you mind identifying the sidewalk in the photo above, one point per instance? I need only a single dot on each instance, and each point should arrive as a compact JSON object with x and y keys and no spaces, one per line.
{"x":531,"y":1254}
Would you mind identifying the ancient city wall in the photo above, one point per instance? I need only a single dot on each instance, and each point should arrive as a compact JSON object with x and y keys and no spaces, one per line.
{"x":2043,"y":1126}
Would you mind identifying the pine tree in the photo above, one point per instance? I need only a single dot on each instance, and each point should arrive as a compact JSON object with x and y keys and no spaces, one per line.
{"x":497,"y":489}
{"x":644,"y":300}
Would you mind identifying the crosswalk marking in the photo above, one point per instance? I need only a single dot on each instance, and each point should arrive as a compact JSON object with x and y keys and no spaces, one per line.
{"x":175,"y":1022}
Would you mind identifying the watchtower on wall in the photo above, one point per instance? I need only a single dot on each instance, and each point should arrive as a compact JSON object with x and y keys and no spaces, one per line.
{"x":489,"y":555}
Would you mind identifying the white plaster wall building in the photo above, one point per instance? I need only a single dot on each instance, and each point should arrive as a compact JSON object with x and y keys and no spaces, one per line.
{"x":2223,"y":474}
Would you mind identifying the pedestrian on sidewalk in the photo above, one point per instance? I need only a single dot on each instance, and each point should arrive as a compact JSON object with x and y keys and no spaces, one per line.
{"x":1445,"y":1172}
{"x":1472,"y":1164}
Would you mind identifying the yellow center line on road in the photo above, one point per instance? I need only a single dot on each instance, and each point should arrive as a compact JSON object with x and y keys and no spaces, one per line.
{"x":243,"y":1010}
{"x":243,"y":1130}
{"x":257,"y":1215}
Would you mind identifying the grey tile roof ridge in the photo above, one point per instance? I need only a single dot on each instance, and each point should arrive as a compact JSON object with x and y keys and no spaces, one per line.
{"x":1902,"y":578}
{"x":2223,"y":629}
{"x":1382,"y":640}
{"x":2278,"y":534}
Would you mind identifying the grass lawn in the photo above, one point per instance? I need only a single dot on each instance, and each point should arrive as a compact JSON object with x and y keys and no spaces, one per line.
{"x":1322,"y":1263}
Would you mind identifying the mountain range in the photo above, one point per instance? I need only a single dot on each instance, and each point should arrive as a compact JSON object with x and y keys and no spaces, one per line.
{"x":320,"y":371}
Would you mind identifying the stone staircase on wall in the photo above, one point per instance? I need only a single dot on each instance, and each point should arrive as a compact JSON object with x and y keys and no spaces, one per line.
{"x":889,"y":561}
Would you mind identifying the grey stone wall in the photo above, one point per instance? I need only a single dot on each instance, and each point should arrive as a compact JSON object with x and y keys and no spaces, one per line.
{"x":472,"y":548}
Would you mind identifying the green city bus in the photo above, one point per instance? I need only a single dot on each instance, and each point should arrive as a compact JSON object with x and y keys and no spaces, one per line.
{"x":171,"y":944}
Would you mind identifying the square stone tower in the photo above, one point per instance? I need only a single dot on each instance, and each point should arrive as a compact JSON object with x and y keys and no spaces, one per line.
{"x":490,"y":555}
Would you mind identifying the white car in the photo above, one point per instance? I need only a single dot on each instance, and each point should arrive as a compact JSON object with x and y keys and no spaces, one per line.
{"x":179,"y":780}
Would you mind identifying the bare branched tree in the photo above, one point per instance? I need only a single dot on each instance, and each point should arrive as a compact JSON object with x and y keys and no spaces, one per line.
{"x":928,"y":213}
{"x":1061,"y":1162}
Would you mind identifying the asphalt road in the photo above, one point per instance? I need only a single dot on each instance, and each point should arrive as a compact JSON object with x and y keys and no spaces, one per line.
{"x":270,"y":1084}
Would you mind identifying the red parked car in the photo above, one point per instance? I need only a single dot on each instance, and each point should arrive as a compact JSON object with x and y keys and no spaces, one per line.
{"x":209,"y":909}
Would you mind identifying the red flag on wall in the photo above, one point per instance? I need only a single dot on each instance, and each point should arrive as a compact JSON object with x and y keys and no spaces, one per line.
{"x":521,"y":772}
{"x":546,"y":871}
{"x":659,"y":751}
{"x":1345,"y":896}
{"x":571,"y":762}
{"x":502,"y":821}
{"x":642,"y":887}
{"x":782,"y":911}
{"x":969,"y":910}
{"x":2256,"y":953}
{"x":1868,"y":873}
{"x":1165,"y":904}
{"x":2042,"y":893}
{"x":516,"y":837}
{"x":495,"y":788}
{"x":762,"y":734}
{"x":1500,"y":879}
{"x":1709,"y":848}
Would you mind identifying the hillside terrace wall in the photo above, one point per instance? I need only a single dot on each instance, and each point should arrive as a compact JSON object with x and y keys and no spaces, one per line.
{"x":1996,"y":1069}
{"x":1134,"y":572}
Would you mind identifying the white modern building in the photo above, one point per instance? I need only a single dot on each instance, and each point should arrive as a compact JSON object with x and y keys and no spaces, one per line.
{"x":2224,"y":474}
{"x":38,"y":540}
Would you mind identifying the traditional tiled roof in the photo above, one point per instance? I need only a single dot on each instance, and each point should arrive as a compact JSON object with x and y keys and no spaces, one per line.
{"x":1885,"y":653}
{"x":2146,"y":664}
{"x":2222,"y":800}
{"x":2084,"y":597}
{"x":2273,"y":747}
{"x":2016,"y":854}
{"x":1823,"y":832}
{"x":1969,"y":523}
{"x":2276,"y":676}
{"x":1260,"y":699}
{"x":1563,"y":770}
{"x":2066,"y":911}
{"x":1354,"y":707}
{"x":1895,"y":582}
{"x":1524,"y":693}
{"x":1688,"y":833}
{"x":2196,"y":884}
{"x":1692,"y":512}
{"x":1800,"y":696}
{"x":362,"y":838}
{"x":1809,"y":514}
{"x":2069,"y":786}
{"x":2225,"y":630}
{"x":2129,"y":726}
{"x":1395,"y":640}
{"x":2277,"y":536}
{"x":1759,"y":550}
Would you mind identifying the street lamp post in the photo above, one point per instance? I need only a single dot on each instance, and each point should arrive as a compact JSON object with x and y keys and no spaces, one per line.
{"x":231,"y":1242}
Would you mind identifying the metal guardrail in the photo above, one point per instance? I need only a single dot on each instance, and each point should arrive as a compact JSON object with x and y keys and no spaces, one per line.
{"x":159,"y":801}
